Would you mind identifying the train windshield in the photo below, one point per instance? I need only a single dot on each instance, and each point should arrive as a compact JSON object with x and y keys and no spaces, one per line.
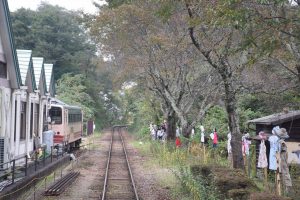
{"x":56,"y":115}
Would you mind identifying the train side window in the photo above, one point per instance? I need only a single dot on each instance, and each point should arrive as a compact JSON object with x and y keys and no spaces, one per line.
{"x":56,"y":115}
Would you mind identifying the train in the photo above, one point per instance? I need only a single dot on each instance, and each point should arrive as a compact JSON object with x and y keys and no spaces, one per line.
{"x":67,"y":123}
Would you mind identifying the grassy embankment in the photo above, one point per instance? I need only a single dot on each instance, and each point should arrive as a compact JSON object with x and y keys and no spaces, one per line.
{"x":196,"y":172}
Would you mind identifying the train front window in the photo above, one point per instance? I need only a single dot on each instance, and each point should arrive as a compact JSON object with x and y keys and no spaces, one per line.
{"x":56,"y":115}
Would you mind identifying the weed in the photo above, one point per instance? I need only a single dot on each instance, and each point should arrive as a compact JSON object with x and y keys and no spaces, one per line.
{"x":196,"y":186}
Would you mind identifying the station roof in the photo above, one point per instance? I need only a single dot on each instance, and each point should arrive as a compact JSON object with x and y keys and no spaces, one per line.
{"x":48,"y":75}
{"x":39,"y":74}
{"x":38,"y":63}
{"x":26,"y":68}
{"x":278,"y":118}
{"x":24,"y":59}
{"x":7,"y":50}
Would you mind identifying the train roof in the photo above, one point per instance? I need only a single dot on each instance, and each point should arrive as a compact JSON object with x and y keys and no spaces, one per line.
{"x":57,"y":102}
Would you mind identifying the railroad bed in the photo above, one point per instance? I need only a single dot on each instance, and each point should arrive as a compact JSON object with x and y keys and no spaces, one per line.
{"x":118,"y":183}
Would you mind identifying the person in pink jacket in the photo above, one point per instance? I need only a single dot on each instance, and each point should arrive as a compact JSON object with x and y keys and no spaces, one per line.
{"x":215,"y":139}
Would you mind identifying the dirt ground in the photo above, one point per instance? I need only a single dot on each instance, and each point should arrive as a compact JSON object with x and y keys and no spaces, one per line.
{"x":91,"y":166}
{"x":147,"y":180}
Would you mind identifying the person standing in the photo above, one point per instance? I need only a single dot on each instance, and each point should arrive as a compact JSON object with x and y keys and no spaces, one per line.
{"x":202,"y":139}
{"x":177,"y":142}
{"x":152,"y":131}
{"x":193,"y":133}
{"x":177,"y":131}
{"x":215,"y":138}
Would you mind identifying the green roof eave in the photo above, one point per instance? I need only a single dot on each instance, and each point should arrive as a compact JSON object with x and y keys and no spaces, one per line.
{"x":44,"y":79}
{"x":11,"y":40}
{"x":31,"y":70}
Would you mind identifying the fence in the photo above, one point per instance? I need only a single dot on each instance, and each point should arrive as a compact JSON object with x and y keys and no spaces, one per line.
{"x":19,"y":168}
{"x":42,"y":183}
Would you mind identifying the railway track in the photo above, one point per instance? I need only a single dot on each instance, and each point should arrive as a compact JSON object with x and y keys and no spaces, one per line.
{"x":118,"y":182}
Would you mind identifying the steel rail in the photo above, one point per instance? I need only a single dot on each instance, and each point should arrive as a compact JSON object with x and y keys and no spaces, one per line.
{"x":107,"y":166}
{"x":58,"y":187}
{"x":128,"y":165}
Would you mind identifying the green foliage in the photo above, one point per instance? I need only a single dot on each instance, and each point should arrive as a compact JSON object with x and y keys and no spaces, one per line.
{"x":117,"y":3}
{"x":55,"y":34}
{"x":144,"y":133}
{"x":216,"y":117}
{"x":72,"y":90}
{"x":197,"y":187}
{"x":140,"y":109}
{"x":180,"y":162}
{"x":166,"y":10}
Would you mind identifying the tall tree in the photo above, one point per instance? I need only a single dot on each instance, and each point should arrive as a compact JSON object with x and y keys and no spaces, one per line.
{"x":270,"y":33}
{"x":160,"y":53}
{"x":55,"y":34}
{"x":218,"y":44}
{"x":59,"y":36}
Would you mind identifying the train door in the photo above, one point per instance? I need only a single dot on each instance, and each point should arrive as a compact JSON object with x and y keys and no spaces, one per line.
{"x":66,"y":125}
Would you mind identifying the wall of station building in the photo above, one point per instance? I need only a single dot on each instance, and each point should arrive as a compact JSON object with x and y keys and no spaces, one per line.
{"x":22,"y":120}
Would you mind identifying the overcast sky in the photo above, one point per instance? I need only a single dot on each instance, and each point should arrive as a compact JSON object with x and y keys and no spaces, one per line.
{"x":85,"y":5}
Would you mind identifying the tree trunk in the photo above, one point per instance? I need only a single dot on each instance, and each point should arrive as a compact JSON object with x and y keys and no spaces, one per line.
{"x":233,"y":122}
{"x":224,"y":70}
{"x":171,"y":126}
{"x":298,"y":71}
{"x":186,"y":130}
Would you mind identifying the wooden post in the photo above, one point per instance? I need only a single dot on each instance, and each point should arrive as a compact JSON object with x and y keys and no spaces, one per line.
{"x":249,"y":166}
{"x":266,"y":177}
{"x":245,"y":164}
{"x":253,"y":159}
{"x":278,"y":178}
{"x":204,"y":156}
{"x":278,"y":182}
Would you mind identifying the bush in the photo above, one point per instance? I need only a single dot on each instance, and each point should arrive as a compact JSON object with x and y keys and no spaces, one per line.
{"x":196,"y":186}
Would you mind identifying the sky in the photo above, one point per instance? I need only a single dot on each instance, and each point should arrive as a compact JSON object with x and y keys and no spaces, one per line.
{"x":85,"y":5}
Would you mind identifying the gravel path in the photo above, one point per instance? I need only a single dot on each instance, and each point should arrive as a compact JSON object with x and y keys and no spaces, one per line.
{"x":91,"y":166}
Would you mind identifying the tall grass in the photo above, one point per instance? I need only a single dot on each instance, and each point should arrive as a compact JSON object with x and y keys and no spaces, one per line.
{"x":197,"y":187}
{"x":179,"y":160}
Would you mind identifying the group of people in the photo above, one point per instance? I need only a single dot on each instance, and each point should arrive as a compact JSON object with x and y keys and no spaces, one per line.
{"x":158,"y":132}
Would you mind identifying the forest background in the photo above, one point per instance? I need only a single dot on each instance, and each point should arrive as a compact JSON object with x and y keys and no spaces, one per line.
{"x":212,"y":63}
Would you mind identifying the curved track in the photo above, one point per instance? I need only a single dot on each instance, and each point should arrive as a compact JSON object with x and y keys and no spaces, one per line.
{"x":118,"y":182}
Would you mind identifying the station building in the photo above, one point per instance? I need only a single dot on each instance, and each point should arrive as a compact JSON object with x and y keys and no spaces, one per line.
{"x":290,"y":120}
{"x":26,"y":87}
